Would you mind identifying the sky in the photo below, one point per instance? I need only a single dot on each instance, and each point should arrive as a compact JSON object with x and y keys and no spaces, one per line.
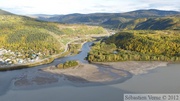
{"x":85,"y":6}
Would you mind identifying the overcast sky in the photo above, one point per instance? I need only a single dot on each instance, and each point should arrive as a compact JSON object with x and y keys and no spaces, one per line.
{"x":84,"y":6}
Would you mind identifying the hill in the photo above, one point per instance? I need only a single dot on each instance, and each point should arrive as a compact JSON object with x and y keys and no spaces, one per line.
{"x":27,"y":39}
{"x":149,"y":13}
{"x":160,"y":23}
{"x":2,"y":12}
{"x":110,"y":20}
{"x":138,"y":46}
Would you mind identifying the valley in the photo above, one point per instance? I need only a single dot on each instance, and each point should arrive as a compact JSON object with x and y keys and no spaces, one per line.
{"x":25,"y":41}
{"x":143,"y":35}
{"x":151,"y":19}
{"x":86,"y":56}
{"x":89,"y":50}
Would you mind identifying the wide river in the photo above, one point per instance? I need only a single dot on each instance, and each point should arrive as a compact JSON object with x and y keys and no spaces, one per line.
{"x":158,"y":81}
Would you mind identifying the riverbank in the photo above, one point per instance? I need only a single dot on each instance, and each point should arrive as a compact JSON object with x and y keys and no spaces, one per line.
{"x":160,"y":80}
{"x":135,"y":67}
{"x":109,"y":71}
{"x":86,"y":74}
{"x":39,"y":62}
{"x":50,"y":59}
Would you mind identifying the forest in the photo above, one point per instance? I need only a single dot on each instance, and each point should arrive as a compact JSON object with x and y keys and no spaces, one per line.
{"x":152,"y":23}
{"x":67,"y":64}
{"x":29,"y":36}
{"x":139,"y":45}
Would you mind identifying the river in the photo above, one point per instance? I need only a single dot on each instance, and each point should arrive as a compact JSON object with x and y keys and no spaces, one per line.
{"x":160,"y":80}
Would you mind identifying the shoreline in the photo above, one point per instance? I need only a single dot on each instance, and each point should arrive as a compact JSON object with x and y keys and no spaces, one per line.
{"x":86,"y":74}
{"x":38,"y":62}
{"x":46,"y":60}
{"x":135,"y":67}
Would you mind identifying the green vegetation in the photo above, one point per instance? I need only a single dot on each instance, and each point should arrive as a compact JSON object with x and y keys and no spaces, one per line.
{"x":16,"y":35}
{"x":74,"y":48}
{"x":115,"y":22}
{"x":139,"y":19}
{"x":2,"y":12}
{"x":80,"y":30}
{"x":161,"y":23}
{"x":67,"y":64}
{"x":139,"y":46}
{"x":34,"y":42}
{"x":28,"y":36}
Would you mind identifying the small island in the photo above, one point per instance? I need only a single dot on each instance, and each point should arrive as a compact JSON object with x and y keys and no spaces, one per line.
{"x":67,"y":64}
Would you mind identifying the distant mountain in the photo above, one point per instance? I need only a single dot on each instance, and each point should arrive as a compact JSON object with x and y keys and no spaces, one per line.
{"x":149,"y":13}
{"x":110,"y":20}
{"x":2,"y":12}
{"x":42,"y":16}
{"x":160,"y":23}
{"x":96,"y":18}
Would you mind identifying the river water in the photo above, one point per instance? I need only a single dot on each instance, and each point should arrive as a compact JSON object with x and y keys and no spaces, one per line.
{"x":160,"y":80}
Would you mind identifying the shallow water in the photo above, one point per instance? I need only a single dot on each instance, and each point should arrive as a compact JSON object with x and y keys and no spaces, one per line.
{"x":160,"y":80}
{"x":7,"y":77}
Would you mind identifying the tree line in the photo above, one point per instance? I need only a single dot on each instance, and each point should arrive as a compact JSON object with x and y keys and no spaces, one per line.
{"x":137,"y":46}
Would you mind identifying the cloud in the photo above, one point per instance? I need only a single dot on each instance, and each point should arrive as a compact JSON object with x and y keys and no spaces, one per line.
{"x":163,"y":4}
{"x":84,"y":6}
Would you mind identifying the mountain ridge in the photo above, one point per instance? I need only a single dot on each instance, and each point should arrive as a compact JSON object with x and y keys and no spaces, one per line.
{"x":109,"y":20}
{"x":3,"y":12}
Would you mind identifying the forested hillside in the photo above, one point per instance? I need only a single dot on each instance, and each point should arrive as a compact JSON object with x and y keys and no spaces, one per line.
{"x":138,"y":45}
{"x":128,"y":20}
{"x":26,"y":35}
{"x":26,"y":38}
{"x":162,"y":23}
